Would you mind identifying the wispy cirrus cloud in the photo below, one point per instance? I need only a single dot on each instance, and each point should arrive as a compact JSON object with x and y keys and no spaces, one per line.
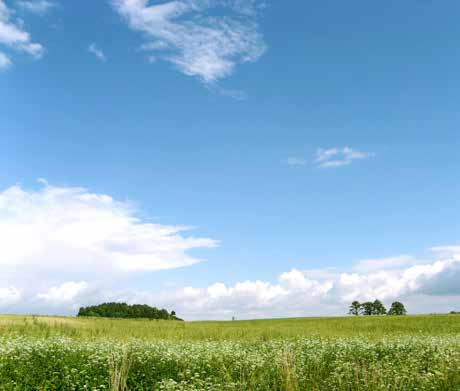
{"x":202,"y":38}
{"x":330,"y":158}
{"x":39,"y":7}
{"x":368,"y":265}
{"x":13,"y":36}
{"x":446,"y":250}
{"x":296,"y":161}
{"x":5,"y":61}
{"x":94,"y":49}
{"x":338,"y":157}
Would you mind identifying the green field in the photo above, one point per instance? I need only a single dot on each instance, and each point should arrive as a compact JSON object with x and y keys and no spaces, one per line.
{"x":349,"y":353}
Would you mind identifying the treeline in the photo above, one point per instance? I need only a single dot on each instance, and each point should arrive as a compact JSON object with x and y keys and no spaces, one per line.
{"x":376,"y":308}
{"x":123,"y":310}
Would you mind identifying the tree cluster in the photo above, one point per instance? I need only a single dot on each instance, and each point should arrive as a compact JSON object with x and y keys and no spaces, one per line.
{"x":123,"y":310}
{"x":376,"y":308}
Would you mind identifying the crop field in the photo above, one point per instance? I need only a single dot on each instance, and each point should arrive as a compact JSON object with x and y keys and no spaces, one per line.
{"x":350,"y":353}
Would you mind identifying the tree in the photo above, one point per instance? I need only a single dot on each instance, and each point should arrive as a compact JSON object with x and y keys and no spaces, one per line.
{"x":123,"y":310}
{"x":378,"y":308}
{"x":397,"y":308}
{"x":355,"y":308}
{"x":367,"y":308}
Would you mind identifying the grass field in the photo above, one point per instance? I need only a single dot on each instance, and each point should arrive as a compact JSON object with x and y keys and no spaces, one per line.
{"x":350,"y":353}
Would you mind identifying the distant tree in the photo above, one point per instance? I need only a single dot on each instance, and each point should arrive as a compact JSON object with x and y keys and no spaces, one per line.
{"x":378,"y":308}
{"x":355,"y":308}
{"x":367,"y":308}
{"x":397,"y":308}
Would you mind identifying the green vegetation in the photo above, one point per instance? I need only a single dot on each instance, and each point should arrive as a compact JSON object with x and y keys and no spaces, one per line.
{"x":353,"y":353}
{"x":123,"y":310}
{"x":397,"y":308}
{"x":376,"y":308}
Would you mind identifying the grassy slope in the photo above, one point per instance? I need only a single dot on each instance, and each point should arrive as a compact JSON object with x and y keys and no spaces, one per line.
{"x":369,"y":327}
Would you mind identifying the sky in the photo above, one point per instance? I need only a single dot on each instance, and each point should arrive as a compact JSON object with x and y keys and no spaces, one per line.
{"x":229,"y":158}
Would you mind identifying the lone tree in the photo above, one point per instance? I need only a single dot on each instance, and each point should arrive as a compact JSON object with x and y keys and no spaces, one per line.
{"x":378,"y":308}
{"x":397,"y":308}
{"x":355,"y":308}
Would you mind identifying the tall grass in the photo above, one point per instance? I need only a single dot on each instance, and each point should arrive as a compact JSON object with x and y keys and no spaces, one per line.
{"x":125,"y":329}
{"x":382,"y":353}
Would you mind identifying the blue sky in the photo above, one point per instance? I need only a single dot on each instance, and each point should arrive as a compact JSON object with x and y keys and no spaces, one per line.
{"x":295,"y":139}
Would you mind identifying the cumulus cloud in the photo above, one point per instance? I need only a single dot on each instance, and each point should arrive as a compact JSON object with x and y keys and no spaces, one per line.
{"x":317,"y":292}
{"x":338,"y":157}
{"x":9,"y":296}
{"x":76,"y":232}
{"x":39,"y":7}
{"x":63,"y":247}
{"x":13,"y":36}
{"x":202,"y":38}
{"x":94,"y":49}
{"x":66,"y":292}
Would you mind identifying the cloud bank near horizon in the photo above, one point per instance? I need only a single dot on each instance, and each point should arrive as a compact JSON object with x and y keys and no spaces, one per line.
{"x":64,"y":247}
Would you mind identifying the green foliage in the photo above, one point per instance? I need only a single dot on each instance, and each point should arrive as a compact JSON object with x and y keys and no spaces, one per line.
{"x":355,"y":308}
{"x":378,"y":308}
{"x":367,"y":308}
{"x":397,"y":308}
{"x":123,"y":310}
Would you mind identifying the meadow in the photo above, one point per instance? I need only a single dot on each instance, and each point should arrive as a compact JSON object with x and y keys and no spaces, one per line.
{"x":348,"y":353}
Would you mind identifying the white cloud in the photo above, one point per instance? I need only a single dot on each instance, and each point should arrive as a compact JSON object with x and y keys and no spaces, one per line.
{"x":366,"y":265}
{"x":202,"y":38}
{"x":309,"y":293}
{"x":5,"y":61}
{"x":9,"y":296}
{"x":94,"y":49}
{"x":39,"y":7}
{"x":338,"y":157}
{"x":63,"y":247}
{"x":71,"y":231}
{"x":296,"y":161}
{"x":453,"y":251}
{"x":65,"y":292}
{"x":13,"y":35}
